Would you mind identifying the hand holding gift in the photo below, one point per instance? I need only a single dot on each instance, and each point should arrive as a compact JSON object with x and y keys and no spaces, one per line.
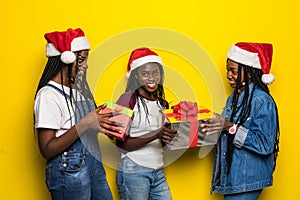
{"x":166,"y":134}
{"x":186,"y":119}
{"x":214,"y":125}
{"x":124,"y":117}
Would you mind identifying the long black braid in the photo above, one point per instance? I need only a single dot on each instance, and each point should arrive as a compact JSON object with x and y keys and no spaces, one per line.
{"x":245,"y":106}
{"x":53,"y":66}
{"x":83,"y":88}
{"x":133,"y":85}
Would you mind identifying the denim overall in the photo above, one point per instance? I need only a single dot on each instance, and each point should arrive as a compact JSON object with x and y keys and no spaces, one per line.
{"x":78,"y":173}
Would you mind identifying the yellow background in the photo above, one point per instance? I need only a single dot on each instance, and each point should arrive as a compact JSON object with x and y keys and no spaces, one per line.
{"x":215,"y":24}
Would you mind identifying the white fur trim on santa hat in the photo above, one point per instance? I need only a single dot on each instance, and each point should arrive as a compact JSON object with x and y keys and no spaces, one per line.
{"x":80,"y":43}
{"x":244,"y":57}
{"x":68,"y":57}
{"x":51,"y":50}
{"x":268,"y":78}
{"x":77,"y":44}
{"x":143,"y":60}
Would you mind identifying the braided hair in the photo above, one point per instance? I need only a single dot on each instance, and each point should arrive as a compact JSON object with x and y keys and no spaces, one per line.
{"x":159,"y":94}
{"x":245,"y":106}
{"x":54,"y":65}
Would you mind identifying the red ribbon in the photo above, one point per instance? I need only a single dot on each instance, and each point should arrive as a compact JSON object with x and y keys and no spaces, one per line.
{"x":188,"y":111}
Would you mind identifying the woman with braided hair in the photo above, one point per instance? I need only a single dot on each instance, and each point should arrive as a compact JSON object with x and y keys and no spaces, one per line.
{"x":249,"y":143}
{"x":140,"y":174}
{"x":67,"y":121}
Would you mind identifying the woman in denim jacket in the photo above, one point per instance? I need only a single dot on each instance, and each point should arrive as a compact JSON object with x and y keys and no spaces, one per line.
{"x":248,"y":146}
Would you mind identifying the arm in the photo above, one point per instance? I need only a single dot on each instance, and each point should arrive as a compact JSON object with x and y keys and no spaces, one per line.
{"x":50,"y":145}
{"x":258,"y":134}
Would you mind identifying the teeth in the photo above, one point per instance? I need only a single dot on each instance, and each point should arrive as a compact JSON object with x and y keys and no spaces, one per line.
{"x":152,"y":85}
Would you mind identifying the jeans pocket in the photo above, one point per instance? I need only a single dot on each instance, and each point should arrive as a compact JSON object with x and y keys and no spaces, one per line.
{"x":128,"y":165}
{"x":53,"y":175}
{"x":73,"y":162}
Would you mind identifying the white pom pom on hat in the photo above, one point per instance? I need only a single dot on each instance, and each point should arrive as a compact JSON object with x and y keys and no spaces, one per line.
{"x":256,"y":55}
{"x":65,"y":43}
{"x":68,"y":57}
{"x":268,"y":78}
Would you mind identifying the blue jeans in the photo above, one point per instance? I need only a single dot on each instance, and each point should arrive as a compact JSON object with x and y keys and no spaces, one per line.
{"x":136,"y":182}
{"x":77,"y":174}
{"x":251,"y":195}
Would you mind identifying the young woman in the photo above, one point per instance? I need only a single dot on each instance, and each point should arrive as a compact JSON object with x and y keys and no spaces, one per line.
{"x":248,"y":146}
{"x":67,"y":121}
{"x":140,"y":174}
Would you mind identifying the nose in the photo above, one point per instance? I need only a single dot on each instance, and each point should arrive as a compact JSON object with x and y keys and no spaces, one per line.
{"x":229,"y":74}
{"x":85,"y":65}
{"x":151,"y":77}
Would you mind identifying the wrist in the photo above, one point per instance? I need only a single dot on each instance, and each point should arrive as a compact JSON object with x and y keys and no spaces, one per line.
{"x":81,"y":127}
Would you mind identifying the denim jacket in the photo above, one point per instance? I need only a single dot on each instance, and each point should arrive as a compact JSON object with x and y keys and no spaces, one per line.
{"x":252,"y":160}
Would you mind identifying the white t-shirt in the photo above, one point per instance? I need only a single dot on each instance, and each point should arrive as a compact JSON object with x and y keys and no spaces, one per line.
{"x":51,"y":110}
{"x":150,"y":155}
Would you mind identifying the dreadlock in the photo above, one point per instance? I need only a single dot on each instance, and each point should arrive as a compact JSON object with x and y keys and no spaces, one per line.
{"x":159,"y":94}
{"x":245,"y":106}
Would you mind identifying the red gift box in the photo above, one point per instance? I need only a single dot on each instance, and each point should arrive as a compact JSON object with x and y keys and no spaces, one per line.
{"x":185,"y":118}
{"x":123,"y":118}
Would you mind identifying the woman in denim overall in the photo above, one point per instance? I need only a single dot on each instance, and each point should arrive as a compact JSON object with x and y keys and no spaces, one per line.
{"x":67,"y":122}
{"x":248,"y":145}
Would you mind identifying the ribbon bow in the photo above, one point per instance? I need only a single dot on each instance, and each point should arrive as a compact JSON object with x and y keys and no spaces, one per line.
{"x":185,"y":110}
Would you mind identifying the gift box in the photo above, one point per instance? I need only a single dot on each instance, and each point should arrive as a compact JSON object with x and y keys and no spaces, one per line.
{"x":186,"y":118}
{"x":123,"y":118}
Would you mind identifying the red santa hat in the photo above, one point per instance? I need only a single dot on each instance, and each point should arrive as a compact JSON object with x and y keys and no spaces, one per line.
{"x":140,"y":57}
{"x":65,"y":43}
{"x":256,"y":55}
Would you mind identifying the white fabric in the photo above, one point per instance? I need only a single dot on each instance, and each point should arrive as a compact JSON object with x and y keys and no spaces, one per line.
{"x":51,"y":111}
{"x":51,"y":50}
{"x":68,"y":57}
{"x":268,"y":78}
{"x":143,"y":60}
{"x":244,"y":57}
{"x":151,"y":155}
{"x":80,"y":43}
{"x":77,"y":44}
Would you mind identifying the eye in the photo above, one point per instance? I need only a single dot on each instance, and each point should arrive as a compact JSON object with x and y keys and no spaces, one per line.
{"x":145,"y":74}
{"x":233,"y":70}
{"x":156,"y":73}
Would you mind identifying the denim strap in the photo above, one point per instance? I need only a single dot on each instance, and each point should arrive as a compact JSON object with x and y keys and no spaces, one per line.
{"x":59,"y":90}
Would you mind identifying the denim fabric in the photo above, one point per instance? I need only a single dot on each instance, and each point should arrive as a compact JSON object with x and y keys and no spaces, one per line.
{"x":252,"y":160}
{"x":78,"y":173}
{"x":136,"y":182}
{"x":253,"y":195}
